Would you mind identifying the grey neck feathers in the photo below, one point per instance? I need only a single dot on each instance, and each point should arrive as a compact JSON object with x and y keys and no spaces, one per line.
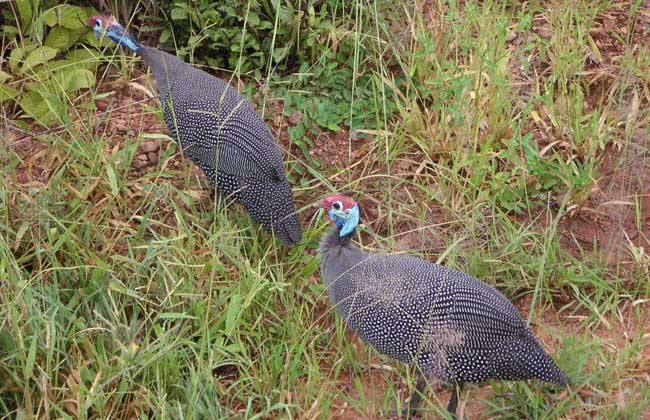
{"x":334,"y":240}
{"x":338,"y":255}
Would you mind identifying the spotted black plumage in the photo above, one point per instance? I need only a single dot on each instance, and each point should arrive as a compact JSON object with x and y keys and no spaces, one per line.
{"x":222,"y":133}
{"x":450,"y":325}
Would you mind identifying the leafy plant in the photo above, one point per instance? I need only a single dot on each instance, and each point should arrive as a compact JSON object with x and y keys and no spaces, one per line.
{"x":252,"y":36}
{"x":325,"y":102}
{"x":43,"y":70}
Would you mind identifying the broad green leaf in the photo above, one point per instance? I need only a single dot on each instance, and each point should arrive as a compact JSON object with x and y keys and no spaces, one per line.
{"x":179,"y":13}
{"x":49,"y":17}
{"x":91,"y":39}
{"x":81,"y":79}
{"x":253,"y":19}
{"x":229,"y":10}
{"x":68,"y":16}
{"x":32,"y":103}
{"x":297,"y":132}
{"x":280,"y":53}
{"x":4,"y":76}
{"x":10,"y":32}
{"x":61,"y":38}
{"x":39,"y":56}
{"x":83,"y":58}
{"x":18,"y":55}
{"x":73,"y":17}
{"x":165,"y":35}
{"x":7,"y":93}
{"x":90,"y":11}
{"x":72,"y":79}
{"x":25,"y":11}
{"x":45,"y":109}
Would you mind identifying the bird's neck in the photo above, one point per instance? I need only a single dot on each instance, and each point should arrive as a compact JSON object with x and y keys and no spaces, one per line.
{"x":333,"y":239}
{"x":338,"y":254}
{"x":335,"y":246}
{"x":120,"y":36}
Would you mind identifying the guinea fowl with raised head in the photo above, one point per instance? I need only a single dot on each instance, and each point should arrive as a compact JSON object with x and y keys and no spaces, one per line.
{"x":220,"y":131}
{"x":453,"y":327}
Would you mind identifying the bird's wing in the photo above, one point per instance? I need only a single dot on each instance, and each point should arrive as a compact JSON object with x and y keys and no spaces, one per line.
{"x":217,"y":137}
{"x":443,"y":299}
{"x":215,"y":125}
{"x":238,"y":158}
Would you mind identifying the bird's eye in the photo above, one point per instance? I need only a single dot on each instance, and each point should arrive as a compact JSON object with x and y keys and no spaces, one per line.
{"x":98,"y":23}
{"x":337,"y":205}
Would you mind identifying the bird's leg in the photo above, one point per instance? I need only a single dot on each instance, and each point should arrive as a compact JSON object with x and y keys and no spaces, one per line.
{"x":416,"y":397}
{"x":455,"y":394}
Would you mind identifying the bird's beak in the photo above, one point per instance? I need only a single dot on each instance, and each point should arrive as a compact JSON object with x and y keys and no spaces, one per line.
{"x":322,"y":206}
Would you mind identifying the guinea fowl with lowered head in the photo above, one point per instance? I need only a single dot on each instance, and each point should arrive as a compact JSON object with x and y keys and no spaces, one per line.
{"x":219,"y":131}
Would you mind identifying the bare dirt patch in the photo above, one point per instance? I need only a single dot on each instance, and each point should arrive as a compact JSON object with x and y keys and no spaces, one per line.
{"x":126,"y":111}
{"x":617,"y":214}
{"x":615,"y":26}
{"x":31,"y":153}
{"x":339,"y":149}
{"x":123,"y":112}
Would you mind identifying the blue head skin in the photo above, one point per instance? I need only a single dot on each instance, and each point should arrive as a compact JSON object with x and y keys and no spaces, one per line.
{"x":343,"y":212}
{"x":110,"y":27}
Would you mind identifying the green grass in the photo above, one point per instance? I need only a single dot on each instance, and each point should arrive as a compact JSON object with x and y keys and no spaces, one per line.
{"x":130,"y":294}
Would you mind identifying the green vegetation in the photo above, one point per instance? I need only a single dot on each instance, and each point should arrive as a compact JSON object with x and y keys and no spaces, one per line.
{"x":488,"y":135}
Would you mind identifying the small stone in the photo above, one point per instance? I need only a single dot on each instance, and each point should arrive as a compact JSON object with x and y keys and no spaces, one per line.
{"x":102,"y":104}
{"x":153,"y":157}
{"x":150,"y":146}
{"x":140,"y":162}
{"x":545,"y":31}
{"x":295,"y":117}
{"x":120,"y":125}
{"x":593,"y":58}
